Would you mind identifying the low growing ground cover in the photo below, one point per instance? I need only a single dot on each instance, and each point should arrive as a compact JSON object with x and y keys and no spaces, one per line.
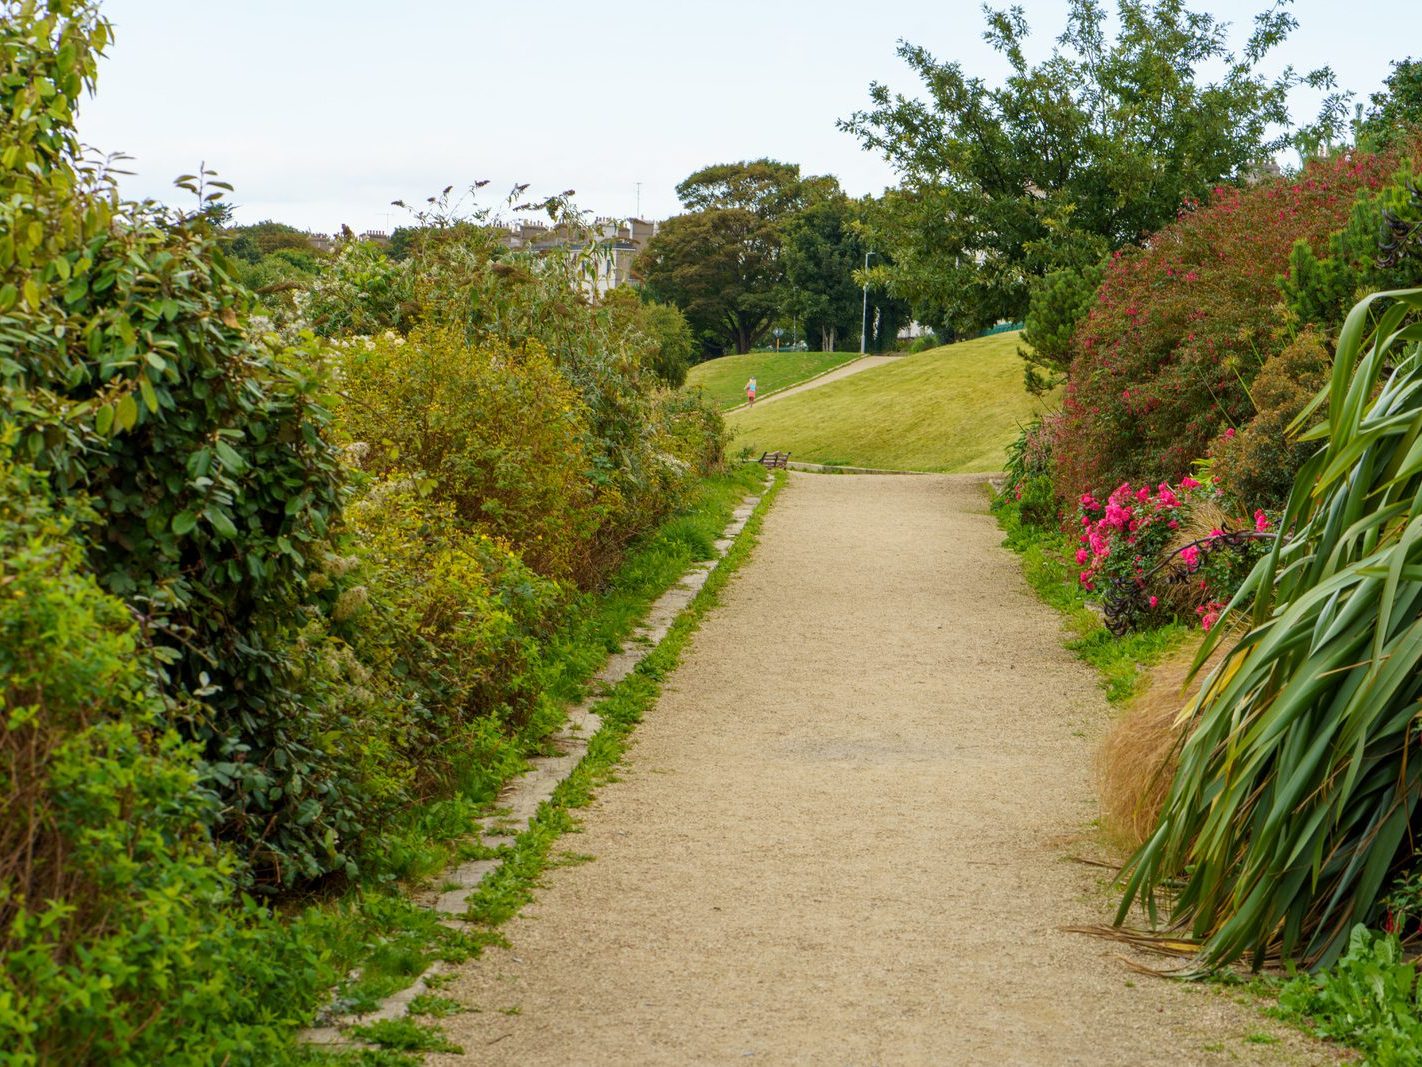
{"x":723,"y":380}
{"x":952,"y":409}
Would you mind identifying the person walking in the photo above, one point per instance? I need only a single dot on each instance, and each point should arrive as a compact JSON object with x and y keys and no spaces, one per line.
{"x":750,"y":391}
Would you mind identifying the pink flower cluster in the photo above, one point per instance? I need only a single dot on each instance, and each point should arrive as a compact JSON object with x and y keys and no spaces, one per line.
{"x":1128,"y":534}
{"x":1209,"y":613}
{"x":1124,"y":534}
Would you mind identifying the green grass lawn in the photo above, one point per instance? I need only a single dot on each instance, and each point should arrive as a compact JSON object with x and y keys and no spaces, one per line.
{"x":949,"y":409}
{"x":724,"y":379}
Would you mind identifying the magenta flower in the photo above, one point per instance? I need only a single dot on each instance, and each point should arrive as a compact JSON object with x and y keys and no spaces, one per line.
{"x":1191,"y":555}
{"x":1261,"y":521}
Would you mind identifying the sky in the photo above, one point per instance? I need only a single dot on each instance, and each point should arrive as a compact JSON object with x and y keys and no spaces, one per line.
{"x":321,"y":112}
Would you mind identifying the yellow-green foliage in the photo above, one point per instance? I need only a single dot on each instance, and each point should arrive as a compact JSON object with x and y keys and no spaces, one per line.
{"x":498,"y":436}
{"x":953,"y":409}
{"x":440,"y":630}
{"x":1257,"y":465}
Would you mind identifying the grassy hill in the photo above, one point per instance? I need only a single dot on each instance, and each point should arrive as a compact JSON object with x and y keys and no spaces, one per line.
{"x":949,"y":409}
{"x":724,"y":379}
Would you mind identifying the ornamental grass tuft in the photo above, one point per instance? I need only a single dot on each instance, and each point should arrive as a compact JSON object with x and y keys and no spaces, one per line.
{"x":1294,"y":805}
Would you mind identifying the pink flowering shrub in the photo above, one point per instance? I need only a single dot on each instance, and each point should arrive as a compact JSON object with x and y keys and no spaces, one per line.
{"x":1181,"y":325}
{"x":1126,"y":537}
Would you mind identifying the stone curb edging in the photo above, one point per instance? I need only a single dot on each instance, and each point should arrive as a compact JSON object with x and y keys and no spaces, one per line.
{"x":521,"y":797}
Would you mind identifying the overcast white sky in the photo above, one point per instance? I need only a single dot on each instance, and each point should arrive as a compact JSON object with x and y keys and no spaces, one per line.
{"x":321,"y":112}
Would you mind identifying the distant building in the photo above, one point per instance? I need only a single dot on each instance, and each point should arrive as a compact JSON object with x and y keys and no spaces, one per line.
{"x":1262,"y":172}
{"x":619,"y":241}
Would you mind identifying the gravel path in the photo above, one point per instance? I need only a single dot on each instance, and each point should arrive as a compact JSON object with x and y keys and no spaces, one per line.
{"x":843,"y":834}
{"x":857,"y":366}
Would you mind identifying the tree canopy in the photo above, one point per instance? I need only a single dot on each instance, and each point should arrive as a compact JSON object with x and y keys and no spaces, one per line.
{"x":822,"y":250}
{"x":1065,"y":160}
{"x":1396,"y":110}
{"x":724,"y":263}
{"x":721,"y":267}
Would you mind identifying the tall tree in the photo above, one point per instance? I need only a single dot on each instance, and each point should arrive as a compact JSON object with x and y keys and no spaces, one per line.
{"x":766,"y":187}
{"x":821,"y":251}
{"x":721,"y":267}
{"x":1089,"y":150}
{"x":1396,"y":110}
{"x":722,"y":262}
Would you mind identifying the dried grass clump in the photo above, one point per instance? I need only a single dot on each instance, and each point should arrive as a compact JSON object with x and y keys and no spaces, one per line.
{"x":1137,"y":760}
{"x":1181,"y":597}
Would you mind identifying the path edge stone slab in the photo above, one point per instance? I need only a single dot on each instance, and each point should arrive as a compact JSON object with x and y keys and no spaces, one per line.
{"x":518,"y":802}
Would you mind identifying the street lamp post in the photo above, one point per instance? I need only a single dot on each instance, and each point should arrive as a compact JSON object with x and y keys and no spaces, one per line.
{"x":864,"y":323}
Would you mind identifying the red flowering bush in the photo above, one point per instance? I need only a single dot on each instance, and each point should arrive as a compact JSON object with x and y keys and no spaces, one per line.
{"x":1125,"y":539}
{"x":1182,"y":325}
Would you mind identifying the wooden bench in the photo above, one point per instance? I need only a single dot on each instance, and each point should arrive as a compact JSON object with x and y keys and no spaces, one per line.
{"x":775,"y":459}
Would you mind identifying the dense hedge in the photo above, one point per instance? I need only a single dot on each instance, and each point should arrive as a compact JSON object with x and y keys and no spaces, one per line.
{"x":261,"y":593}
{"x":1180,"y":327}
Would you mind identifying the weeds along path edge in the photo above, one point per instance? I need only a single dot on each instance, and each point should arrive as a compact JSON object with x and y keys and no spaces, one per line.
{"x":503,"y":886}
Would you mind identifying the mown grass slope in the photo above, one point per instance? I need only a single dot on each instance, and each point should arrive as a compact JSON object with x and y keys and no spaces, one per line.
{"x":724,"y":380}
{"x":953,"y":408}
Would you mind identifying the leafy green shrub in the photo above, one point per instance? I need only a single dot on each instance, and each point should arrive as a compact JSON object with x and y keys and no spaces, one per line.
{"x":1163,"y":360}
{"x":1028,"y":485}
{"x":660,"y":329}
{"x":1257,"y":465}
{"x":278,"y":279}
{"x":1369,"y":999}
{"x":691,"y":433}
{"x":439,"y":629}
{"x":361,"y":291}
{"x":1295,"y":800}
{"x":116,"y":931}
{"x":925,"y":343}
{"x":496,"y":299}
{"x":497,"y":435}
{"x":201,"y":450}
{"x":1059,"y":300}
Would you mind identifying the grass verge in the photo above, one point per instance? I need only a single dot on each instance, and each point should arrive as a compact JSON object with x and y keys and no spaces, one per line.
{"x":380,"y":939}
{"x":723,"y":380}
{"x":950,"y":409}
{"x":1120,"y":662}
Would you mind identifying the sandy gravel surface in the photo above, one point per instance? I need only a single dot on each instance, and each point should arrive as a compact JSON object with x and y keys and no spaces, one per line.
{"x":843,"y":834}
{"x":858,"y":366}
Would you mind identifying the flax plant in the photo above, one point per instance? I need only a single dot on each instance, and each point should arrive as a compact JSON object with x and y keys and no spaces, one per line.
{"x":1295,"y":800}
